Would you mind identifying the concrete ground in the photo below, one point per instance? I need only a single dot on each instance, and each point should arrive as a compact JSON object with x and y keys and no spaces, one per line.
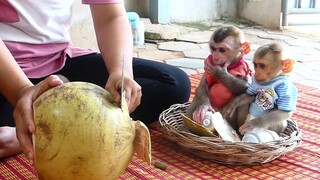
{"x":186,"y":45}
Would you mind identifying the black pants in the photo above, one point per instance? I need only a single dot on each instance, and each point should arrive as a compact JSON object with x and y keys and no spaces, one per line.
{"x":162,"y":85}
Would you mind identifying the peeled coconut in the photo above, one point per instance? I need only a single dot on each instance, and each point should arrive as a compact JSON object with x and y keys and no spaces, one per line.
{"x":82,"y":133}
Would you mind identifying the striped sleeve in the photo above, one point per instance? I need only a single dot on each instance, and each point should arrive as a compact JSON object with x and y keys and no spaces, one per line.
{"x":287,"y":96}
{"x":251,"y":90}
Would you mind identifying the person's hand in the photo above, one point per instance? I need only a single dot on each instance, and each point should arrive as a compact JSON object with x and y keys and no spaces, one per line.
{"x":23,"y":113}
{"x":198,"y":114}
{"x":131,"y":88}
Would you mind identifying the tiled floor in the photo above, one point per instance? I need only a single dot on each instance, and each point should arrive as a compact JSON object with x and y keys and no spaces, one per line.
{"x":189,"y":49}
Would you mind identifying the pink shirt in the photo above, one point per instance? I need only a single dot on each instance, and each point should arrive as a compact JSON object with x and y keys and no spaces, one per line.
{"x":37,"y":34}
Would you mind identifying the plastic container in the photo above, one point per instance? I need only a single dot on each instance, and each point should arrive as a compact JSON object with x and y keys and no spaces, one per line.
{"x":260,"y":136}
{"x":207,"y":121}
{"x":137,"y":27}
{"x":138,"y":32}
{"x":216,"y":123}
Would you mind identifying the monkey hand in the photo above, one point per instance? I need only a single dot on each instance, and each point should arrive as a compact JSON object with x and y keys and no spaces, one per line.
{"x":246,"y":127}
{"x":198,"y":114}
{"x":215,"y":70}
{"x":239,"y":101}
{"x":253,"y":124}
{"x":229,"y":109}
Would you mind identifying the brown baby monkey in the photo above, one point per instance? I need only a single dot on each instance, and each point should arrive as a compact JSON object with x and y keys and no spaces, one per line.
{"x":272,"y":95}
{"x":226,"y":73}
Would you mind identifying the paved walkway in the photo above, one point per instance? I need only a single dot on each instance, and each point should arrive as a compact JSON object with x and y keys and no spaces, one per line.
{"x":190,"y":46}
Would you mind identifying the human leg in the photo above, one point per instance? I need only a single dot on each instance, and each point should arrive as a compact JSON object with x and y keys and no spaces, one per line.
{"x":6,"y":113}
{"x":87,"y":68}
{"x":9,"y":144}
{"x":162,"y":84}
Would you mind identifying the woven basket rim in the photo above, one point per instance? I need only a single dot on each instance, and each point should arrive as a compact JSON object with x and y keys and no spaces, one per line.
{"x":224,"y":152}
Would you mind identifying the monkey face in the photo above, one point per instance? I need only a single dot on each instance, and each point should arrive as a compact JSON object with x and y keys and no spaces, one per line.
{"x":225,"y":51}
{"x":266,"y":68}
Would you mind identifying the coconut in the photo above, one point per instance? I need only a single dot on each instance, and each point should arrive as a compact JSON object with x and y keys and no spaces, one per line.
{"x":82,"y":133}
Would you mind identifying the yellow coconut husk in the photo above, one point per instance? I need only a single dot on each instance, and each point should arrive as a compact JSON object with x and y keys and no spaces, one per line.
{"x":196,"y":128}
{"x":81,"y":133}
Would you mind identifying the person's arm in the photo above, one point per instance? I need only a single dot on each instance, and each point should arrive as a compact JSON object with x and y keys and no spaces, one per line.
{"x":12,"y":77}
{"x":21,"y":93}
{"x":114,"y":37}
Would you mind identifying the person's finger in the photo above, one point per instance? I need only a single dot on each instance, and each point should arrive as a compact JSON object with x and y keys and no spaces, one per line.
{"x":135,"y":100}
{"x":26,"y":146}
{"x":54,"y":80}
{"x":49,"y":82}
{"x":25,"y":127}
{"x":114,"y":91}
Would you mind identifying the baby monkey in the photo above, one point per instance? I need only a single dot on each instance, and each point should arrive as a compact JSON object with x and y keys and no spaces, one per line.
{"x":226,"y":73}
{"x":272,"y":95}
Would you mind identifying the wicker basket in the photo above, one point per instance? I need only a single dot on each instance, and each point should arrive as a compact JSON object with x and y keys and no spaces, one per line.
{"x":219,"y":151}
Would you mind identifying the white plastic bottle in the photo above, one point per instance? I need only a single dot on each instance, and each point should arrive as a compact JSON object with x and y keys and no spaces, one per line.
{"x":207,"y":121}
{"x":138,"y":33}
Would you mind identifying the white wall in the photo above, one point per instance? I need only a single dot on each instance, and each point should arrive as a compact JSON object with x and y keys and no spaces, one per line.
{"x":139,"y":6}
{"x":229,"y":8}
{"x":263,"y":12}
{"x":188,"y":10}
{"x":194,"y":10}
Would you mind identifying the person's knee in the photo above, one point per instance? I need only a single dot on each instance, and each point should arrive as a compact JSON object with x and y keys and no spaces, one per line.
{"x":6,"y":134}
{"x":9,"y":144}
{"x":183,"y":87}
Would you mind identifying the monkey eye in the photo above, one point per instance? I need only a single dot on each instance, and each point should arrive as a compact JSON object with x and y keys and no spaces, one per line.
{"x":220,"y":49}
{"x":262,"y":66}
{"x":259,"y":65}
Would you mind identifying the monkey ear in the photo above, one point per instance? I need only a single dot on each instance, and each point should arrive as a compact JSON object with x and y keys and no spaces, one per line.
{"x":287,"y":65}
{"x":245,"y":48}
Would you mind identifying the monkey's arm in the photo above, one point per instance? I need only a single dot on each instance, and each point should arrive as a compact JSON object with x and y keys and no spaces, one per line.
{"x":272,"y":120}
{"x":200,"y":103}
{"x":243,"y":99}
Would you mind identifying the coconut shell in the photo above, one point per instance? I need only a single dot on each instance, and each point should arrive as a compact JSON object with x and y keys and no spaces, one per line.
{"x":81,"y":133}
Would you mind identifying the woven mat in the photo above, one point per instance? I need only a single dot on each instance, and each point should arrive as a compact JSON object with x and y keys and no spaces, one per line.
{"x":301,"y":163}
